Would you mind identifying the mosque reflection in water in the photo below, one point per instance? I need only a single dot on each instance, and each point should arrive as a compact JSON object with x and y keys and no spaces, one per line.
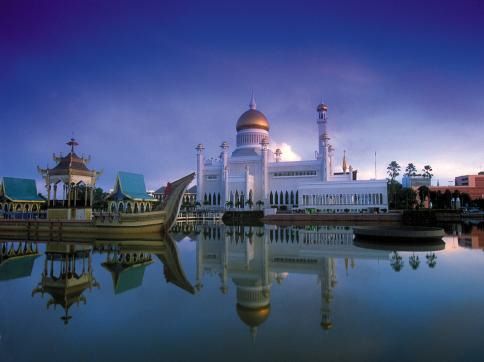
{"x":255,"y":257}
{"x":250,"y":257}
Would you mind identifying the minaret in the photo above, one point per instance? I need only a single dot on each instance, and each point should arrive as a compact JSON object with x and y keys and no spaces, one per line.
{"x":327,"y":279}
{"x":331,"y":155}
{"x":323,"y":140}
{"x":200,"y":171}
{"x":225,"y":162}
{"x":265,"y":169}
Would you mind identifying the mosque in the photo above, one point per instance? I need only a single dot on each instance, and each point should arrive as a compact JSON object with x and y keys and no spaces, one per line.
{"x":255,"y":175}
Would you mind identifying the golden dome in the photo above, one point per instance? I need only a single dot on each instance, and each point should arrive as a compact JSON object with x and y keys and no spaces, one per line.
{"x":252,"y":119}
{"x":253,"y":317}
{"x":326,"y":325}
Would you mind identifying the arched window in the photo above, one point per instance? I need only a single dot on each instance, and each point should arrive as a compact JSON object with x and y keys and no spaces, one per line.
{"x":271,"y":198}
{"x":214,"y":199}
{"x":136,"y":208}
{"x":276,"y":198}
{"x":113,"y":207}
{"x":287,"y":198}
{"x":281,"y":198}
{"x":142,"y":208}
{"x":297,"y":197}
{"x":218,"y":199}
{"x":292,"y":197}
{"x":128,"y":208}
{"x":209,"y":199}
{"x":121,"y":207}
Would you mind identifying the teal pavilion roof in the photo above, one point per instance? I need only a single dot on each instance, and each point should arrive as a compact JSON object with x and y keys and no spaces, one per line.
{"x":128,"y":278}
{"x":18,"y":267}
{"x":131,"y":186}
{"x":20,"y":189}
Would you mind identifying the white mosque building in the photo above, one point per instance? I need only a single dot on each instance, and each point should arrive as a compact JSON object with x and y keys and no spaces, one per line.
{"x":254,"y":175}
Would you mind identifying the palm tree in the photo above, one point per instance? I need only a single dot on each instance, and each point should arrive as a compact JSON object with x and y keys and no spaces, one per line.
{"x":393,"y":170}
{"x":423,"y":192}
{"x":249,"y":203}
{"x":427,"y":171}
{"x":396,"y":261}
{"x":431,"y":260}
{"x":414,"y":261}
{"x":229,"y":204}
{"x":259,"y":204}
{"x":411,"y":170}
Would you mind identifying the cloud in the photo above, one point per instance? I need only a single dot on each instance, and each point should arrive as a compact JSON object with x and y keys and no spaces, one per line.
{"x":288,"y":154}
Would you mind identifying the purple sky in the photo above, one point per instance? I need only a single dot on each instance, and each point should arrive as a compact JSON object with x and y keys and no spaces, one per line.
{"x":140,"y":83}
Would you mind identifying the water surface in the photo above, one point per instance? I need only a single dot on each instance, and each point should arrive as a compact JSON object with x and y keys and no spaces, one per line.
{"x":219,"y":293}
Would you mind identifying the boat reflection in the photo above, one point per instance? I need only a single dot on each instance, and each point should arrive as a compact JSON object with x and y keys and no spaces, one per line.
{"x":68,"y":274}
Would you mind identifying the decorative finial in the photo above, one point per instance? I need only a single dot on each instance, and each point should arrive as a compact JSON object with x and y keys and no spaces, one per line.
{"x":252,"y":104}
{"x":72,"y":143}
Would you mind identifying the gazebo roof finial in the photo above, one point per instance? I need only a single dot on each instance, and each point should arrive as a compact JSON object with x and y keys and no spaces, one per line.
{"x":72,"y":143}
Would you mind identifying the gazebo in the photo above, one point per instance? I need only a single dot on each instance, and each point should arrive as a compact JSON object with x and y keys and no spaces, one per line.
{"x":70,"y":186}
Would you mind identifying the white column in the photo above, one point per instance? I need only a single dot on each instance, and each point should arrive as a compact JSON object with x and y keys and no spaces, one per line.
{"x":265,"y":170}
{"x":200,"y":172}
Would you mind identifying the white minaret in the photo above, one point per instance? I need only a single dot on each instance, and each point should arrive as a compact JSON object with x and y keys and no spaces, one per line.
{"x":331,"y":158}
{"x":200,"y":171}
{"x":323,"y":140}
{"x":328,"y":281}
{"x":265,"y":169}
{"x":225,"y":167}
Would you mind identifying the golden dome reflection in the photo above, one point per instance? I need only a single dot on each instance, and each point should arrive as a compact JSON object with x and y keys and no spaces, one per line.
{"x":252,"y":119}
{"x":253,"y":317}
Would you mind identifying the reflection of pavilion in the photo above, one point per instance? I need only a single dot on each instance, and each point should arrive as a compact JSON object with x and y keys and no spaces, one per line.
{"x":67,"y":274}
{"x":254,"y":257}
{"x":17,"y":259}
{"x":127,"y":268}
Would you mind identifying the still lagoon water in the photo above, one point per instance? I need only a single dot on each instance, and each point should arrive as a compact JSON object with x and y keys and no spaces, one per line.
{"x":260,"y":293}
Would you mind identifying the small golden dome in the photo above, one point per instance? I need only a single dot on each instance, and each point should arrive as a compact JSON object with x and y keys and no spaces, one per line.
{"x":326,"y":325}
{"x":253,"y":317}
{"x":252,"y":119}
{"x":322,"y":107}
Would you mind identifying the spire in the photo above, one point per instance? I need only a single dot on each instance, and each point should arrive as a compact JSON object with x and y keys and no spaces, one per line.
{"x":72,"y":143}
{"x":345,"y":167}
{"x":252,"y":104}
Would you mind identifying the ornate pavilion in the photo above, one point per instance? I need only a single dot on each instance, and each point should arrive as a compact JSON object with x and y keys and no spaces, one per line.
{"x":70,"y":186}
